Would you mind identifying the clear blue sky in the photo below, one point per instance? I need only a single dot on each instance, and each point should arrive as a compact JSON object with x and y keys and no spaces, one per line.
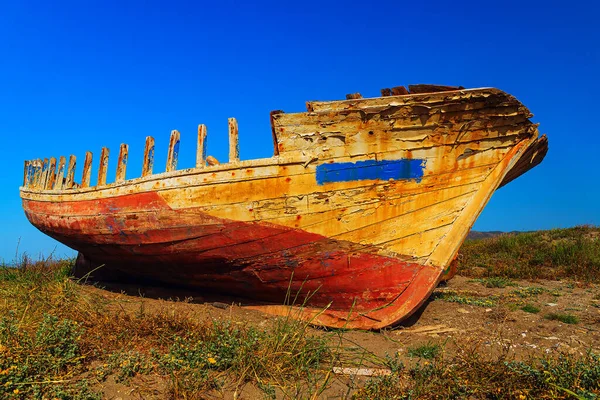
{"x":80,"y":75}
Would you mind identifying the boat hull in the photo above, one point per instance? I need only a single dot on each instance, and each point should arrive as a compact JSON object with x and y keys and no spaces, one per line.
{"x":352,"y":225}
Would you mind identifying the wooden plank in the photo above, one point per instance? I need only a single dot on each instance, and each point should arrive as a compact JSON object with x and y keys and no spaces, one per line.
{"x":60,"y":177}
{"x":426,"y":88}
{"x":201,"y":149}
{"x":51,"y":175}
{"x":148,"y":157}
{"x":103,"y":167}
{"x":234,"y":147}
{"x":173,"y":155}
{"x":122,"y":163}
{"x":71,"y":172}
{"x":87,"y":170}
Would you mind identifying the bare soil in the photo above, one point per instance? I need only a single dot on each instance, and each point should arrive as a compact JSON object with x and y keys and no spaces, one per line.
{"x":498,"y":327}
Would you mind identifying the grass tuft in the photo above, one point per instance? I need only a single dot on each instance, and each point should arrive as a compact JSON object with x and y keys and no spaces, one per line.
{"x":530,"y":308}
{"x":564,"y":318}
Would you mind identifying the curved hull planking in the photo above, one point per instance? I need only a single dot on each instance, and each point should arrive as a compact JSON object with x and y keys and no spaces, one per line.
{"x":357,"y":218}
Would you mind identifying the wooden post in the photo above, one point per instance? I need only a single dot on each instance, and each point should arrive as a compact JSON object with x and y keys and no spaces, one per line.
{"x":201,"y":151}
{"x":44,"y":175}
{"x":148,"y":157}
{"x":234,"y":147}
{"x":87,"y":170}
{"x":26,"y":174}
{"x":71,"y":172}
{"x":61,"y":174}
{"x":103,"y":167}
{"x":122,"y":163}
{"x":173,"y":154}
{"x":37,"y":173}
{"x":51,"y":175}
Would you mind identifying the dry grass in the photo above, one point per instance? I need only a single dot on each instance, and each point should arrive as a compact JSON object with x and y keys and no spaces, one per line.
{"x":59,"y":339}
{"x":572,"y":253}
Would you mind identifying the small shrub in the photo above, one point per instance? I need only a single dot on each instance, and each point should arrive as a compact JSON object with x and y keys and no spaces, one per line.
{"x":530,"y":308}
{"x":497,"y":282}
{"x":427,"y":351}
{"x":564,"y":318}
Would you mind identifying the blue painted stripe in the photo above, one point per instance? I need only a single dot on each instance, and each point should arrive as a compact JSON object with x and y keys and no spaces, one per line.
{"x":371,"y":169}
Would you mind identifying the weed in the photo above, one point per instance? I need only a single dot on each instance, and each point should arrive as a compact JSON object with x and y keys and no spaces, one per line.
{"x":527,"y":291}
{"x":564,"y":318}
{"x":427,"y":351}
{"x":453,"y":297}
{"x":497,"y":282}
{"x":530,"y":308}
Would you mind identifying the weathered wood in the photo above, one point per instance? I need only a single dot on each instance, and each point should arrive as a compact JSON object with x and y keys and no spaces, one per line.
{"x":37,"y":165}
{"x":173,"y":155}
{"x":51,"y":175}
{"x":386,"y":92}
{"x":71,"y":173}
{"x":365,"y":206}
{"x":234,"y":147}
{"x":201,"y":149}
{"x":530,"y":158}
{"x":273,"y":133}
{"x":353,"y":96}
{"x":122,"y":163}
{"x":148,"y":157}
{"x":212,"y":161}
{"x":103,"y":168}
{"x":399,"y":91}
{"x":60,"y":177}
{"x":26,"y":173}
{"x":425,"y":88}
{"x":44,"y":175}
{"x":87,"y":170}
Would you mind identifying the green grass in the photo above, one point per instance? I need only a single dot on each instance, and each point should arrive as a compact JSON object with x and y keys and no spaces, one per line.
{"x":530,"y":308}
{"x":559,"y":253}
{"x":564,"y":318}
{"x":58,"y":340}
{"x":453,"y":297}
{"x":469,"y":375}
{"x":427,"y":351}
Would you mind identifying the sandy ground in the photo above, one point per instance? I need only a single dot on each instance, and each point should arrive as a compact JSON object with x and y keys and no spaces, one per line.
{"x":488,"y":328}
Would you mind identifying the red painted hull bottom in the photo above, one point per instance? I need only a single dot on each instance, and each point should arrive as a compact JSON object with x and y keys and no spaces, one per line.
{"x":335,"y":283}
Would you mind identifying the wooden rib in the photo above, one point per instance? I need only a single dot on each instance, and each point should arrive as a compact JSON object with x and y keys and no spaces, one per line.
{"x":201,"y":150}
{"x":273,"y":133}
{"x":71,"y":172}
{"x":103,"y":167}
{"x":122,"y":163}
{"x":148,"y":156}
{"x":353,"y":96}
{"x":234,"y":148}
{"x":44,"y":175}
{"x":87,"y":170}
{"x":35,"y":166}
{"x":173,"y":155}
{"x":51,"y":174}
{"x":26,"y":173}
{"x":399,"y":91}
{"x":385,"y":92}
{"x":59,"y":185}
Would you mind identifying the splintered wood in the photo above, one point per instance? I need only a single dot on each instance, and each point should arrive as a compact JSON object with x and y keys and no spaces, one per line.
{"x":359,"y":213}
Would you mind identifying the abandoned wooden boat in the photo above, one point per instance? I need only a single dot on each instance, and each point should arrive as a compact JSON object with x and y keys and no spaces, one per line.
{"x":357,"y":216}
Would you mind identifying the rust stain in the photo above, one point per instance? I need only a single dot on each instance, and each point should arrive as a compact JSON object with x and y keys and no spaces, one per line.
{"x":408,"y":173}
